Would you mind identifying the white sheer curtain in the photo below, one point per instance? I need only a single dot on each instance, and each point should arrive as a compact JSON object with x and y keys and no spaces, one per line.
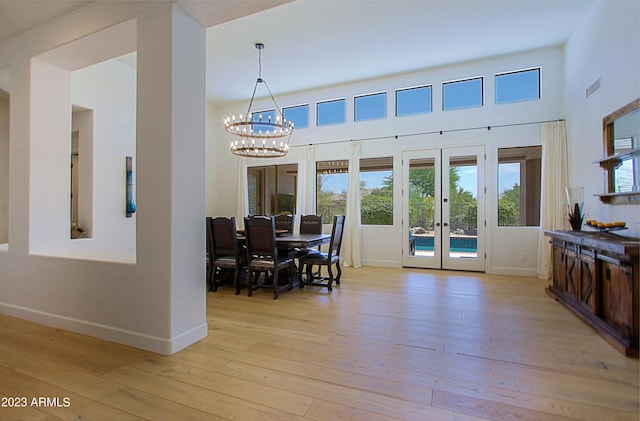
{"x":352,"y":240}
{"x":553,"y":212}
{"x":242,"y":204}
{"x":306,"y":194}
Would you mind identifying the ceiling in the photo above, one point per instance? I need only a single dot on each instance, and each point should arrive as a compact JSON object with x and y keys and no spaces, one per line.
{"x":316,"y":43}
{"x":17,"y":16}
{"x":313,"y":43}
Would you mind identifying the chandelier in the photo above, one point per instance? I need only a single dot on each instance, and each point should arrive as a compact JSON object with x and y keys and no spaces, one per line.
{"x":259,"y":137}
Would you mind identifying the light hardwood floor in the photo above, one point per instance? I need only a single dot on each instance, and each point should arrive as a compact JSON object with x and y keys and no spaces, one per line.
{"x":386,"y":344}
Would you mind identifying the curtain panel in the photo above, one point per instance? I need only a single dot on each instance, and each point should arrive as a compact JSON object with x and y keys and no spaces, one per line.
{"x":242,"y":204}
{"x":553,"y":212}
{"x":306,"y":193}
{"x":352,"y":241}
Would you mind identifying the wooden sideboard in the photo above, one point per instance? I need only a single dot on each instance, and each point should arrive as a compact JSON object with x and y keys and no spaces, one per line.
{"x":596,"y":276}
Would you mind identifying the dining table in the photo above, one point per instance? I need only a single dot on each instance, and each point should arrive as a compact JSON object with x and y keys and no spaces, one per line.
{"x":290,"y":241}
{"x":293,"y":240}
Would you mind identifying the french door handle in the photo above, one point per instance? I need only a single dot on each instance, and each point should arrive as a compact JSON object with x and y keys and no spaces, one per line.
{"x":437,"y":224}
{"x":444,"y":224}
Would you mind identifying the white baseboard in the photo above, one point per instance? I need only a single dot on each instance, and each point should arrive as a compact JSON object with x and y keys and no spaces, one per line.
{"x":506,"y":270}
{"x":110,"y":333}
{"x":381,"y":263}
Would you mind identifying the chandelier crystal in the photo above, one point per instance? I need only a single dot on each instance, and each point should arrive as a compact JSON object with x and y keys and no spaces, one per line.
{"x":258,"y":137}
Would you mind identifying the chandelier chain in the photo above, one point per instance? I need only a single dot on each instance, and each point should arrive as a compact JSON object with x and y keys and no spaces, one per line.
{"x":255,"y":137}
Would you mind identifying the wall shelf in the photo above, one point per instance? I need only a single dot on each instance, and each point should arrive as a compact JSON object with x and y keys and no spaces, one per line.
{"x":615,"y":160}
{"x":622,"y":122}
{"x":619,"y":198}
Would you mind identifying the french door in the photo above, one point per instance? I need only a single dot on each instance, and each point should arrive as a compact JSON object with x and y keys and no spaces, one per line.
{"x":443,"y":208}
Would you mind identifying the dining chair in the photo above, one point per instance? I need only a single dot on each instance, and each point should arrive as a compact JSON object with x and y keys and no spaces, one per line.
{"x":284,"y":222}
{"x":227,"y":255}
{"x":331,"y":257}
{"x":309,"y":224}
{"x":262,"y":254}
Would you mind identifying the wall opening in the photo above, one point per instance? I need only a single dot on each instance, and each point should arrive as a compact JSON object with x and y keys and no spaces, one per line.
{"x":83,"y":125}
{"x":81,"y":173}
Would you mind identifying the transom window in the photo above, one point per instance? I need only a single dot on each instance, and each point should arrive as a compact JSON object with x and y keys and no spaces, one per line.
{"x":266,"y":116}
{"x":298,"y":114}
{"x":330,"y":112}
{"x":522,"y":85}
{"x":416,"y":100}
{"x":370,"y":107}
{"x":459,"y":94}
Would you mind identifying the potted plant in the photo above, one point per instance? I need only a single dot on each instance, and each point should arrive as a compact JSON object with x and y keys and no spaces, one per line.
{"x":575,"y":203}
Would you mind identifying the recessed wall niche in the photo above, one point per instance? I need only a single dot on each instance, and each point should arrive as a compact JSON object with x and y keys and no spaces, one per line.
{"x":81,"y":182}
{"x":83,"y":97}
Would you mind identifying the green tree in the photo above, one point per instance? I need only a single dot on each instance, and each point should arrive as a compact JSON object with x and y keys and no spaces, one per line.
{"x":509,"y":207}
{"x":422,"y":200}
{"x":329,"y":203}
{"x":376,"y":208}
{"x":463,"y":210}
{"x":421,"y":195}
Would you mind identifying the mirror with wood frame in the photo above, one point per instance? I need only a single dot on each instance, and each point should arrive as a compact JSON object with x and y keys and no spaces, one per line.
{"x":621,"y":161}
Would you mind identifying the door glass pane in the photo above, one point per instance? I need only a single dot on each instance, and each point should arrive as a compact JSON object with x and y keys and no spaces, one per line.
{"x":422,"y":176}
{"x":463,"y":208}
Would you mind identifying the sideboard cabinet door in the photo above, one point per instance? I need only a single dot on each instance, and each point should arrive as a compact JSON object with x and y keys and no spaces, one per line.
{"x":588,"y":281}
{"x":617,"y":296}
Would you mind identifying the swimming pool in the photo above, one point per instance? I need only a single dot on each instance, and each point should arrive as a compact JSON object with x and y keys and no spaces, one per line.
{"x":461,"y":244}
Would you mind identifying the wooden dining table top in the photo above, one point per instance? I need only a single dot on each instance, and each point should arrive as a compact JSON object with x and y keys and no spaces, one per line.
{"x":285,"y":239}
{"x":278,"y":232}
{"x":291,"y":240}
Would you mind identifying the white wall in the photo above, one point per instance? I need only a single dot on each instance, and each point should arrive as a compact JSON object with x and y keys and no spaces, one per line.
{"x":382,"y":244}
{"x":155,"y":301}
{"x":604,"y":45}
{"x":4,"y":170}
{"x":49,"y":158}
{"x":82,"y":126}
{"x":109,"y":90}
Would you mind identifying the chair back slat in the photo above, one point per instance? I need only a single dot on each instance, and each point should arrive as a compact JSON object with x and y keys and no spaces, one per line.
{"x":336,"y":235}
{"x":284,"y":222}
{"x":224,"y":236}
{"x":261,"y":236}
{"x":311,"y":224}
